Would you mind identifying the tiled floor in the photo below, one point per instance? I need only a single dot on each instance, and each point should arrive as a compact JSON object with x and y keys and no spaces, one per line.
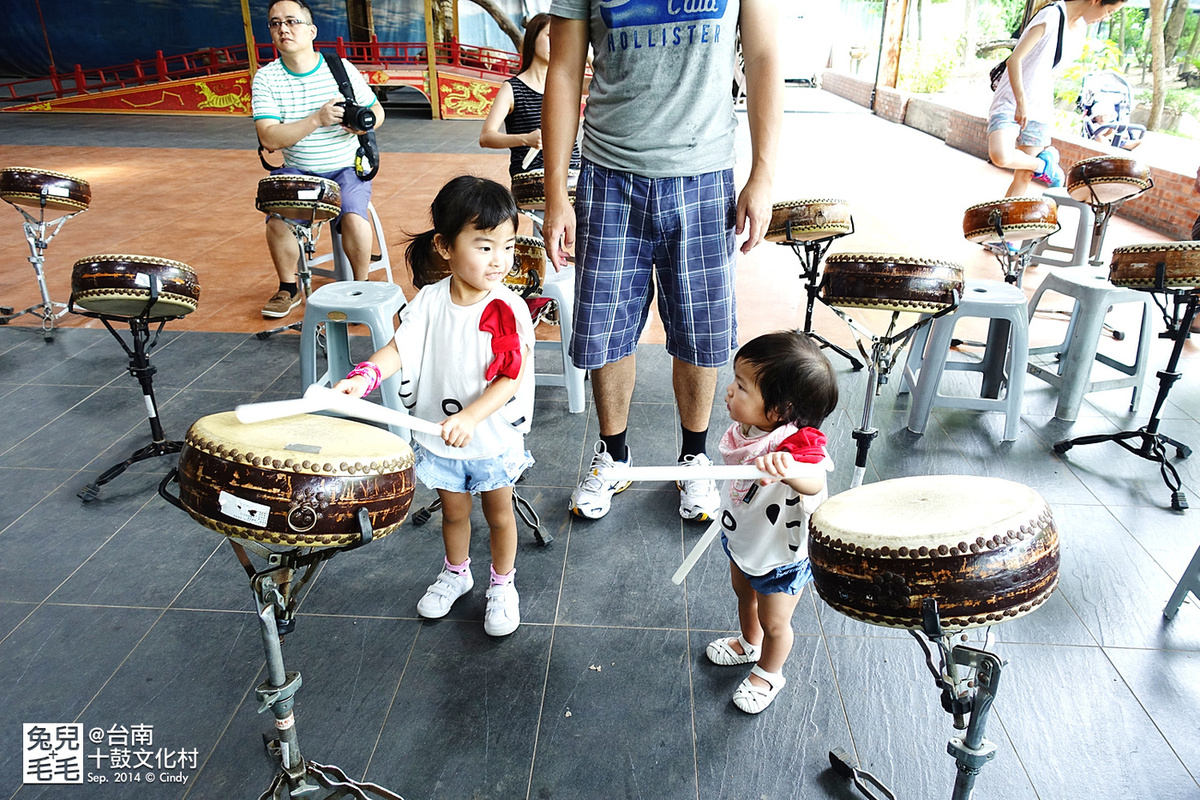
{"x":125,"y":612}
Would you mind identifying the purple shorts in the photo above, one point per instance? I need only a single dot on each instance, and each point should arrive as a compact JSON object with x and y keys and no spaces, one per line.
{"x":356,"y":193}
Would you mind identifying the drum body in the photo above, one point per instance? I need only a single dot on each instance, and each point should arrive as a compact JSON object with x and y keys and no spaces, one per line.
{"x":1018,"y":218}
{"x":891,"y":282}
{"x":529,"y":188}
{"x":986,"y":549}
{"x":525,"y":277}
{"x":27,"y":186}
{"x":119,"y":286}
{"x":1136,"y":266}
{"x":1109,"y":178}
{"x":299,"y":198}
{"x":297,"y":481}
{"x":809,"y":220}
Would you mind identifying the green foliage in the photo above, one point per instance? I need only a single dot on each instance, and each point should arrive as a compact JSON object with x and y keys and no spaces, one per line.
{"x":926,"y":69}
{"x":1177,"y":101}
{"x":1098,"y":54}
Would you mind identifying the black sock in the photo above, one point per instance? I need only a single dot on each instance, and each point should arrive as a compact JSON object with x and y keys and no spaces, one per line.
{"x":290,"y":288}
{"x":615,"y":446}
{"x":694,"y":442}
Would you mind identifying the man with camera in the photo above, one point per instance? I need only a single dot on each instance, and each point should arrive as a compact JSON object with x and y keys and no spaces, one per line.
{"x":299,"y":109}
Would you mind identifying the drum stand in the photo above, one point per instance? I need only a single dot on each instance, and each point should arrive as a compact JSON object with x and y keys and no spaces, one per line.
{"x":1147,"y":442}
{"x":811,"y":253}
{"x":1013,"y":257}
{"x":1104,"y":212}
{"x":967,"y":677}
{"x":884,"y":352}
{"x":140,"y":368}
{"x":307,"y":232}
{"x":35,"y":233}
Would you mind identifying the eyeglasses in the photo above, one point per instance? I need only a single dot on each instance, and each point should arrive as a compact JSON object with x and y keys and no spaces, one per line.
{"x":290,"y":22}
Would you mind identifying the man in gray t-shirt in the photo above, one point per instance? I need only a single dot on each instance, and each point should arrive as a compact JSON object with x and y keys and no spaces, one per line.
{"x":655,"y":208}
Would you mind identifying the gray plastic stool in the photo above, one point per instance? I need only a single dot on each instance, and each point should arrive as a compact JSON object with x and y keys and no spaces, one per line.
{"x":1083,"y":234}
{"x":342,"y":271}
{"x":1190,"y":582}
{"x":337,"y":305}
{"x":1006,"y":353}
{"x":560,"y":287}
{"x":1094,"y":297}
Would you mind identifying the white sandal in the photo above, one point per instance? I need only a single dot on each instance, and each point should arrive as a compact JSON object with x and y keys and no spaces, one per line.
{"x":751,"y":697}
{"x":722,"y":654}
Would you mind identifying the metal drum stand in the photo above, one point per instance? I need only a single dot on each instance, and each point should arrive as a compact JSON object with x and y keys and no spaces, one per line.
{"x":307,"y":233}
{"x":36,"y":235}
{"x":811,"y":253}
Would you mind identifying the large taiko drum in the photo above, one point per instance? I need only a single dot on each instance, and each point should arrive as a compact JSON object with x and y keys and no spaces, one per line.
{"x":526,"y":276}
{"x":1136,"y":266}
{"x":529,"y":188}
{"x":299,"y":198}
{"x":809,"y":220}
{"x":297,"y":481}
{"x":986,"y":549}
{"x":1107,"y":179}
{"x":28,"y":186}
{"x":891,"y":282}
{"x":1011,"y":219}
{"x":121,"y":286}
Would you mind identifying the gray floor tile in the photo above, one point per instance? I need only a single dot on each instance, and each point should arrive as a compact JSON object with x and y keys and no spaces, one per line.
{"x":1164,"y":684}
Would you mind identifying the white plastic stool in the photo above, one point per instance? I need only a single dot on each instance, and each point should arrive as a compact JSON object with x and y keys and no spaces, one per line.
{"x":1094,"y":297}
{"x":560,"y":287}
{"x":337,"y":305}
{"x":1080,"y":251}
{"x":1007,"y":351}
{"x":342,"y":271}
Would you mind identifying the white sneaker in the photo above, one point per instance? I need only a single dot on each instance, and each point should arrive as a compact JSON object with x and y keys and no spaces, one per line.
{"x":593,"y":496}
{"x":442,"y":593}
{"x":699,"y":499}
{"x":503,"y":613}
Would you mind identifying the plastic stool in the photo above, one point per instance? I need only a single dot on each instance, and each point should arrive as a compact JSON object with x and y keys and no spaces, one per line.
{"x":1083,"y":234}
{"x":1190,"y":582}
{"x":1094,"y":297}
{"x":1007,"y":351}
{"x":560,"y":287}
{"x":337,"y":305}
{"x":342,"y":270}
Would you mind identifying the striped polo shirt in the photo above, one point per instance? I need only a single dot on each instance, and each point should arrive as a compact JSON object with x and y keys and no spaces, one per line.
{"x":287,"y":96}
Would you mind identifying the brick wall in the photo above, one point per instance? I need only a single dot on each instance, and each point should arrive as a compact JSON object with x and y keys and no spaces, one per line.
{"x":853,"y":89}
{"x":891,"y":104}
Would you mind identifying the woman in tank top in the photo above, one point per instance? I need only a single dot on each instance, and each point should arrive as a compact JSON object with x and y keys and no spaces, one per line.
{"x":518,"y":104}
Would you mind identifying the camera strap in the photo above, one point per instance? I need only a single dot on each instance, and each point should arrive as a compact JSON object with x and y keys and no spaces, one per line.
{"x":366,"y":160}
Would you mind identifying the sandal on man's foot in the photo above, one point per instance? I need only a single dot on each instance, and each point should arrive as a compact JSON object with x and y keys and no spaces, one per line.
{"x":721,"y":652}
{"x":751,"y":697}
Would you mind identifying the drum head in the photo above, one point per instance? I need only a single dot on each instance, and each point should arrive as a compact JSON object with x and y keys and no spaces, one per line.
{"x":299,"y":198}
{"x":809,"y":220}
{"x":1137,"y":266}
{"x":120,"y":286}
{"x":891,"y":282}
{"x":296,"y":481}
{"x":27,"y":186}
{"x":529,"y":188}
{"x":1019,"y":219}
{"x":986,"y":549}
{"x":1107,"y":179}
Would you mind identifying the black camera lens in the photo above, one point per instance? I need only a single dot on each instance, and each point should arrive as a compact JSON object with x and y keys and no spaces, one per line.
{"x":357,"y":117}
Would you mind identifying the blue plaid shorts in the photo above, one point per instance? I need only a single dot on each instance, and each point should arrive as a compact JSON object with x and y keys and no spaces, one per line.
{"x":635,"y":232}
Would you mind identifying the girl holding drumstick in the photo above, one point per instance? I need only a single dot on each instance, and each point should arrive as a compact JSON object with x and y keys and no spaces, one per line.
{"x":1022,"y":111}
{"x":465,"y":343}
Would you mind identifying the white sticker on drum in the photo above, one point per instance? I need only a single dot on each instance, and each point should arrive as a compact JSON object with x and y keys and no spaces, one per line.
{"x":308,"y":194}
{"x":58,"y":191}
{"x":244,"y":510}
{"x":141,"y":279}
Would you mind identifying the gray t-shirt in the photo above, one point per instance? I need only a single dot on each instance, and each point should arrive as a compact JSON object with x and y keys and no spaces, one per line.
{"x":661,"y":102}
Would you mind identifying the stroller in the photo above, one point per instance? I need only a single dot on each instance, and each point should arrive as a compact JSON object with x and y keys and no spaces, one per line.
{"x":1106,"y":102}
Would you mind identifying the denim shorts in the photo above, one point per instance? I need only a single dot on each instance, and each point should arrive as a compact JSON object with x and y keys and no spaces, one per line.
{"x":356,"y":193}
{"x":788,"y":579}
{"x":473,"y":475}
{"x":1034,"y":134}
{"x":636,"y":236}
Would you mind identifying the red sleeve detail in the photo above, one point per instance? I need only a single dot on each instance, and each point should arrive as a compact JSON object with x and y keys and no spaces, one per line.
{"x":806,"y":445}
{"x":498,"y":320}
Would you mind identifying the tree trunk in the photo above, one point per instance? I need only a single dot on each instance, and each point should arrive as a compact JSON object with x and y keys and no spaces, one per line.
{"x":1179,"y":12}
{"x":1158,"y":67}
{"x":1194,"y":45}
{"x":1121,"y":41}
{"x":506,"y":24}
{"x":969,"y":20}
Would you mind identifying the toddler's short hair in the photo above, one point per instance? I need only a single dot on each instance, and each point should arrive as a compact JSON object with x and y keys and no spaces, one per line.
{"x":796,"y":380}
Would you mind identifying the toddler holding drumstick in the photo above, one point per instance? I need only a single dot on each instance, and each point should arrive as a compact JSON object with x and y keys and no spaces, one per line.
{"x":465,"y":344}
{"x":783,"y":388}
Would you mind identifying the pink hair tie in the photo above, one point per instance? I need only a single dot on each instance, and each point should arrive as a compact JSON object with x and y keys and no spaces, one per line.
{"x":370,"y":371}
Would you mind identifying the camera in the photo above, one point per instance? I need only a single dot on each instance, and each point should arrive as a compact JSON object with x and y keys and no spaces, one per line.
{"x":357,"y":117}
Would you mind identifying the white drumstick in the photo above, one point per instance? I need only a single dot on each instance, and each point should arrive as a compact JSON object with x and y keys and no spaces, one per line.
{"x":709,"y":535}
{"x":677,"y":472}
{"x":530,"y":156}
{"x":261,"y":412}
{"x":365,"y":409}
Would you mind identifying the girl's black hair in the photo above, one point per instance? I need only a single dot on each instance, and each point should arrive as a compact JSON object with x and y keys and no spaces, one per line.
{"x":466,"y":200}
{"x":532,"y":29}
{"x":796,"y":380}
